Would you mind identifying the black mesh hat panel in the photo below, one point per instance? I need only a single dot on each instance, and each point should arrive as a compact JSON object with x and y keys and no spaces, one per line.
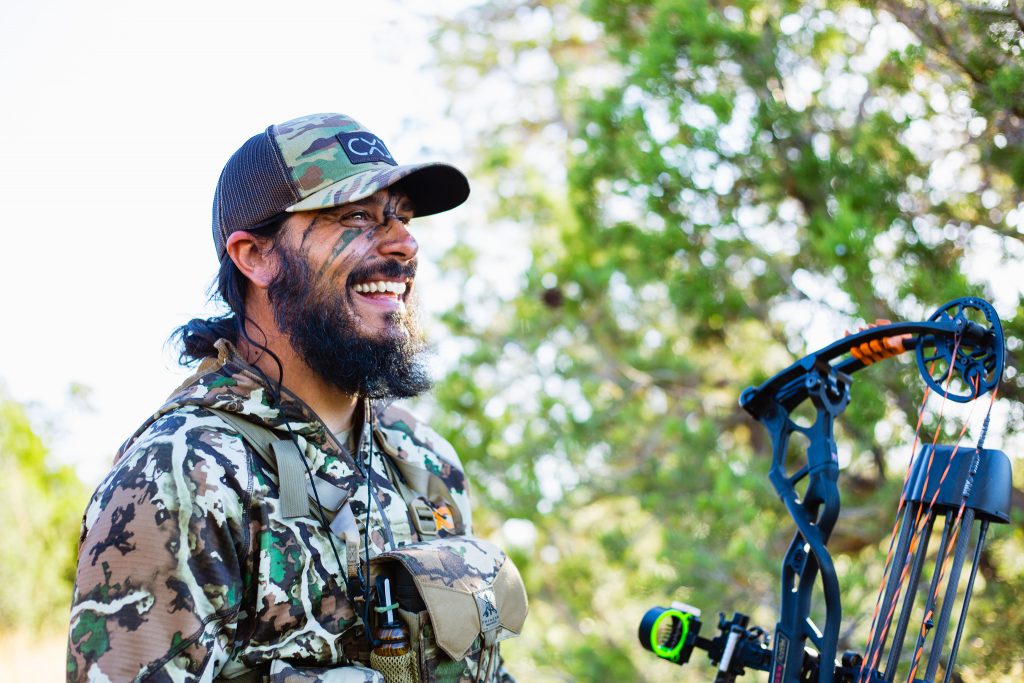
{"x":254,"y":186}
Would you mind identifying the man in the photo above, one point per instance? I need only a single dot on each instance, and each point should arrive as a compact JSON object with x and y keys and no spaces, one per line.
{"x":242,"y":530}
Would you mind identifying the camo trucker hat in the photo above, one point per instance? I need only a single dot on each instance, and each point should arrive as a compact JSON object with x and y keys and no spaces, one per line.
{"x":319,"y":161}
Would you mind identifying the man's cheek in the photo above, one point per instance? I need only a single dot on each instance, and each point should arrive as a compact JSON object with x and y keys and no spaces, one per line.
{"x":333,"y":279}
{"x":340,"y":251}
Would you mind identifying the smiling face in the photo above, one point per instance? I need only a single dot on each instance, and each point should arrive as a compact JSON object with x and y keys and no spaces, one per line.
{"x":343,"y":294}
{"x":363,"y":253}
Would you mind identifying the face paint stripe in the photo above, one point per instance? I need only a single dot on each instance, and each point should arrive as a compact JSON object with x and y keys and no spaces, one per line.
{"x":344,"y":239}
{"x":309,"y":229}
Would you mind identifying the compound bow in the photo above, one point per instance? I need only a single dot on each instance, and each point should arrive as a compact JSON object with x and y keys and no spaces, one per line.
{"x":958,"y":357}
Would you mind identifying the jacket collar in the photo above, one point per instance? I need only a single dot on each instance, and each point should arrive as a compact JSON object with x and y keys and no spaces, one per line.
{"x":227,"y":382}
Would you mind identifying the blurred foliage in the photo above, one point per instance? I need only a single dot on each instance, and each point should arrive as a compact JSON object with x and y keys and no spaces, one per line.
{"x":40,"y":511}
{"x":708,"y":190}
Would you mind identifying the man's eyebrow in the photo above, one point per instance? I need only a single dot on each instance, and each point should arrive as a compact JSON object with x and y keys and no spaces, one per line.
{"x":337,"y":211}
{"x":349,"y":205}
{"x":402,"y":200}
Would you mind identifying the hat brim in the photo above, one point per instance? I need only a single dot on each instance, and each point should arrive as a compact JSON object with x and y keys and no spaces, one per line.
{"x":432,"y":188}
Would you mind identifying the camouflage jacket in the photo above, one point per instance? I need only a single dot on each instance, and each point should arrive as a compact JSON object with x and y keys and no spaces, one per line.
{"x":188,"y":570}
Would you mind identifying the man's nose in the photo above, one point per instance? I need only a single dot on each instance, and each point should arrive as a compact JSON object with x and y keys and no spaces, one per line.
{"x":397,"y":241}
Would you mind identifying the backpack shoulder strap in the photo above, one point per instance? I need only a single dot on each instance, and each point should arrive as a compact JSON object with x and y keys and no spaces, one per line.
{"x":424,"y":493}
{"x":299,"y":493}
{"x":281,"y":456}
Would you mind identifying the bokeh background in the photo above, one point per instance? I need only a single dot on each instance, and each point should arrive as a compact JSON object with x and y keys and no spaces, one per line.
{"x":671,"y":201}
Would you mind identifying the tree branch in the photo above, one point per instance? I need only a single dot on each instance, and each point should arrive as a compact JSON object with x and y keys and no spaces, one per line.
{"x":1016,"y":13}
{"x":917,"y":20}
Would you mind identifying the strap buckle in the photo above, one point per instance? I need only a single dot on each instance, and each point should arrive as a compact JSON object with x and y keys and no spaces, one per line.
{"x":422,"y":517}
{"x":430,"y":518}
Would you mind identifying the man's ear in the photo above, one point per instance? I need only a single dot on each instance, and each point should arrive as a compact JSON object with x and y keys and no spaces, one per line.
{"x":253,"y":256}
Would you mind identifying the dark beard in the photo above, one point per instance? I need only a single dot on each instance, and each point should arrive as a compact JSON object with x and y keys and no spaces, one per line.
{"x":327,"y":337}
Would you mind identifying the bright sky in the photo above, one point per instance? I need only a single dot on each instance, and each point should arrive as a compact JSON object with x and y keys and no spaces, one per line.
{"x":117,"y":117}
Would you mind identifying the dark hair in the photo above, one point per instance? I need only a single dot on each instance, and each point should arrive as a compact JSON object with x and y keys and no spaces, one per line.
{"x":197,"y":336}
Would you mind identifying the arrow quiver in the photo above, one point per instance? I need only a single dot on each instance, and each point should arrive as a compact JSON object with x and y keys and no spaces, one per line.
{"x":960,"y":354}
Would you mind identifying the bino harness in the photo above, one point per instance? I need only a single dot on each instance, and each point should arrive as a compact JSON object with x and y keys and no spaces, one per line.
{"x":457,"y":596}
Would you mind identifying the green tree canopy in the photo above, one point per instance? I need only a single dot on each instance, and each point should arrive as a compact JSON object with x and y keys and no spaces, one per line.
{"x":708,"y":190}
{"x":40,"y":511}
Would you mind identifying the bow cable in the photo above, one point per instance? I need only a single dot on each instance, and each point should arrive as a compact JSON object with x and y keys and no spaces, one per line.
{"x":957,"y":559}
{"x":869,"y":661}
{"x":921,"y":525}
{"x":878,"y":631}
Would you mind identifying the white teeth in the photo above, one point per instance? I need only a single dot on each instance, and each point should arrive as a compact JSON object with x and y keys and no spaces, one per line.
{"x":380,"y":286}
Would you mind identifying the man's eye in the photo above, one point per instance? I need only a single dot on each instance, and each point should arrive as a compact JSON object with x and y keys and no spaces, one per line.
{"x":404,"y":220}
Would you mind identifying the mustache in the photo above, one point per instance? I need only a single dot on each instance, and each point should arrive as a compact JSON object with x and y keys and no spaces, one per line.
{"x":382,"y":270}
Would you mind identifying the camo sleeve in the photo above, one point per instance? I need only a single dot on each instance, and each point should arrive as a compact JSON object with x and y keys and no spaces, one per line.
{"x":160,"y":571}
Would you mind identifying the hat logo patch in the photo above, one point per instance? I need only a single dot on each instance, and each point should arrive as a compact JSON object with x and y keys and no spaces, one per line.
{"x":365,"y":148}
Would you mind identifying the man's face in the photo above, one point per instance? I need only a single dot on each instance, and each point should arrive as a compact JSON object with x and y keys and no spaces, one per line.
{"x":344,"y":295}
{"x":364,"y":254}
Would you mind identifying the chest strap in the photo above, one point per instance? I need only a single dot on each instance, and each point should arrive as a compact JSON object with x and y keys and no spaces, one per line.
{"x":299,"y":491}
